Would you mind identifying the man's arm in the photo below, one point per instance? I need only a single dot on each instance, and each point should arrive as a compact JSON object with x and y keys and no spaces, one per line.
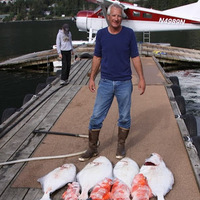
{"x":138,"y":67}
{"x":95,"y":67}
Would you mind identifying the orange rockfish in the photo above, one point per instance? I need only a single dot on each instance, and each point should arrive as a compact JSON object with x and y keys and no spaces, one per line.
{"x":140,"y":189}
{"x":101,"y":191}
{"x":159,"y":177}
{"x":120,"y":190}
{"x":72,"y":191}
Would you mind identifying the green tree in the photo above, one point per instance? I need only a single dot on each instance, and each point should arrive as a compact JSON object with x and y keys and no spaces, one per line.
{"x":36,"y":8}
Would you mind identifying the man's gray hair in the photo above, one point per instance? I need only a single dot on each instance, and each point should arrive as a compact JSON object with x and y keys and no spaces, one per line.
{"x":116,"y":5}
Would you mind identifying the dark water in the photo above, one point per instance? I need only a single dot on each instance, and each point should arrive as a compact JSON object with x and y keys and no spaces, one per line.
{"x":20,"y":38}
{"x":15,"y":85}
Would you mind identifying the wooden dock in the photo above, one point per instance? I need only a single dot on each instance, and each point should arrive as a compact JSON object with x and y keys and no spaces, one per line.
{"x":31,"y":59}
{"x":41,"y":59}
{"x":171,"y":58}
{"x":68,"y":109}
{"x":168,"y":55}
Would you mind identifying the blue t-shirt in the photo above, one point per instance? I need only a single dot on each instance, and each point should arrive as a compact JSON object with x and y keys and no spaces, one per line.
{"x":115,"y":51}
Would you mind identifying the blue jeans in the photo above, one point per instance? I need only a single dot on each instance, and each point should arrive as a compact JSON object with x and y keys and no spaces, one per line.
{"x":105,"y":94}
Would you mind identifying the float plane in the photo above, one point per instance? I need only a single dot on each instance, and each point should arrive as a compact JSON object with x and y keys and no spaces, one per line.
{"x":141,"y":19}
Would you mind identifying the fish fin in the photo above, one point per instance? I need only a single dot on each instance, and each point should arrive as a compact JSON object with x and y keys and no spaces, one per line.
{"x":46,"y":196}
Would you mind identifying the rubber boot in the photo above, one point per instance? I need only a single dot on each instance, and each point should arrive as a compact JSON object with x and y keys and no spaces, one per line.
{"x":122,"y":135}
{"x":93,"y":144}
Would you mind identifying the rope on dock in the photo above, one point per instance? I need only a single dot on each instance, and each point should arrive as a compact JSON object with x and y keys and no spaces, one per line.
{"x":42,"y":158}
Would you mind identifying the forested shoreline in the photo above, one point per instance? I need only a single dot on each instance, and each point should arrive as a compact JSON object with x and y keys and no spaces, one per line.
{"x":51,"y":9}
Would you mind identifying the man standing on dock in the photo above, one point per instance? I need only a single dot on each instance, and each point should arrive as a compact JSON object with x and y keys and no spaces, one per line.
{"x":64,"y":49}
{"x":115,"y":45}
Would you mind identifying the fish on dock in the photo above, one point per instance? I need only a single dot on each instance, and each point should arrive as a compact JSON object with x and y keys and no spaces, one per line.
{"x":94,"y":172}
{"x":72,"y":192}
{"x":101,"y":191}
{"x":159,"y":177}
{"x":140,"y":189}
{"x":120,"y":191}
{"x":56,"y":179}
{"x":125,"y":170}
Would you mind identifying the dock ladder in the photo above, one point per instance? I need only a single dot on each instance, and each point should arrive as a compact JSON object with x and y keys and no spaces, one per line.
{"x":146,"y":36}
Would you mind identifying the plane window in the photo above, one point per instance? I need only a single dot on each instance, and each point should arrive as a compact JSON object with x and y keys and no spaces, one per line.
{"x":100,"y":14}
{"x":147,"y":15}
{"x":136,"y":14}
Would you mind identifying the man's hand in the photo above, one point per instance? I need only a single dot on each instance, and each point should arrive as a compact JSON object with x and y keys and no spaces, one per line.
{"x":92,"y":86}
{"x":141,"y":86}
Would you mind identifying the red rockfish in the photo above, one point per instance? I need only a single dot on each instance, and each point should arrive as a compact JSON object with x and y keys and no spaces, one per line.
{"x":140,"y":189}
{"x":72,"y":192}
{"x":101,"y":191}
{"x":120,"y":191}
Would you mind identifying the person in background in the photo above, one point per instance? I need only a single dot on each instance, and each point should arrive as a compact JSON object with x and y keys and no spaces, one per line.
{"x":115,"y":46}
{"x":64,"y":49}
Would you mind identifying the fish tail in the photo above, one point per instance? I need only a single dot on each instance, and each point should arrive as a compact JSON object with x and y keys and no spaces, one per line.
{"x":46,"y":196}
{"x":160,"y":197}
{"x":83,"y":196}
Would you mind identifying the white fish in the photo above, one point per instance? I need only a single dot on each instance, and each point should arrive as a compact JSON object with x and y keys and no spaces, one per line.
{"x":56,"y":179}
{"x":125,"y":170}
{"x":93,"y":173}
{"x":159,"y":177}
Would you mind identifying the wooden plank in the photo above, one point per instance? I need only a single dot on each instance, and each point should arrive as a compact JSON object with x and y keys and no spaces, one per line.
{"x":49,"y":121}
{"x":77,"y":67}
{"x":28,"y":111}
{"x":83,"y":73}
{"x":28,"y":146}
{"x":8,"y":173}
{"x":33,"y":194}
{"x":78,"y":73}
{"x":31,"y":59}
{"x":14,"y":194}
{"x":22,"y":134}
{"x":172,"y":53}
{"x":30,"y":143}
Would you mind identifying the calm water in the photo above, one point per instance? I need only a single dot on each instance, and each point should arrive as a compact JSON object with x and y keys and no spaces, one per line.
{"x":20,"y":38}
{"x":26,"y":37}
